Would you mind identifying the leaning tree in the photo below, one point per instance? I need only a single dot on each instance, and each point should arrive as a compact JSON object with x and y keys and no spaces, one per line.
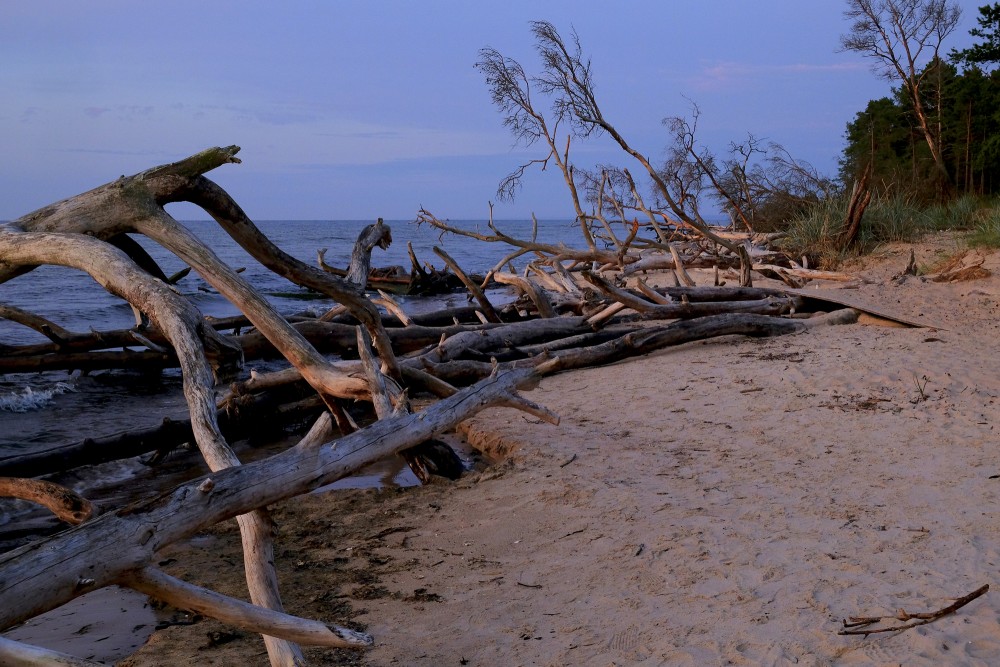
{"x":569,"y":315}
{"x":898,"y":36}
{"x":89,"y":232}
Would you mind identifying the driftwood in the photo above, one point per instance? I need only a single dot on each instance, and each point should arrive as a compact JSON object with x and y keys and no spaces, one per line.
{"x":259,"y":395}
{"x":394,"y":279}
{"x":113,"y":547}
{"x":477,"y":293}
{"x":242,"y":417}
{"x":638,"y":341}
{"x":74,"y":233}
{"x":64,"y":503}
{"x":438,"y":353}
{"x":861,"y":625}
{"x":379,"y":235}
{"x":861,"y":196}
{"x":963,"y":266}
{"x":769,"y":305}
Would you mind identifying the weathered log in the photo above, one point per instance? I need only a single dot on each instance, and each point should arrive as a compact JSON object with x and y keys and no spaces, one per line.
{"x":339,"y":338}
{"x":488,"y":309}
{"x":371,"y":236}
{"x":418,"y":378}
{"x":328,"y":337}
{"x":237,"y":613}
{"x":661,"y":262}
{"x":246,"y":415}
{"x":809,"y":274}
{"x":531,"y":289}
{"x":16,"y":654}
{"x":707,"y":293}
{"x":861,"y":196}
{"x":677,"y":333}
{"x":770,"y":305}
{"x":518,"y":333}
{"x":50,"y":330}
{"x":638,"y":342}
{"x":88,"y":361}
{"x":67,"y":505}
{"x":52,"y":571}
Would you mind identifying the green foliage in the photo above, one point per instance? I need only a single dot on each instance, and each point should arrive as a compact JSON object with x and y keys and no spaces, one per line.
{"x":987,"y":51}
{"x":960,"y":213}
{"x":885,"y":134}
{"x":892,"y":218}
{"x":888,"y":218}
{"x":986,"y":232}
{"x":815,"y":233}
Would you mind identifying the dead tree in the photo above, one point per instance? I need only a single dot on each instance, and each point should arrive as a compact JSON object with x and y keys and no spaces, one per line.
{"x":582,"y":323}
{"x":80,"y":233}
{"x":119,"y":547}
{"x":371,"y":236}
{"x":566,"y":78}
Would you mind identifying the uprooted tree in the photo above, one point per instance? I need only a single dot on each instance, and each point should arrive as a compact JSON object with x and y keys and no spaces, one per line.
{"x":575,"y":309}
{"x":576,"y":328}
{"x":758,"y":183}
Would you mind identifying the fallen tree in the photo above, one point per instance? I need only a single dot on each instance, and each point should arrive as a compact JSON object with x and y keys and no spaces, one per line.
{"x":80,"y":232}
{"x":565,"y":318}
{"x":117,"y":547}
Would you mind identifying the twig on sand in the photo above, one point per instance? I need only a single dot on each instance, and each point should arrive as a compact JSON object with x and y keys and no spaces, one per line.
{"x":856,"y":625}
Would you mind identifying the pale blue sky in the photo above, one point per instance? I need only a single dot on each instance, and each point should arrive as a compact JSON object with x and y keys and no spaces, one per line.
{"x":364,"y":109}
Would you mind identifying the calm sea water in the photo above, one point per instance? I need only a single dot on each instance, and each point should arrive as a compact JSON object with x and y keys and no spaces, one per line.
{"x":73,"y":300}
{"x":43,"y":410}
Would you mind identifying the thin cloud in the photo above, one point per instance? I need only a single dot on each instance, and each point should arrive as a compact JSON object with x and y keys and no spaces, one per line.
{"x":110,"y":151}
{"x":725,"y":74}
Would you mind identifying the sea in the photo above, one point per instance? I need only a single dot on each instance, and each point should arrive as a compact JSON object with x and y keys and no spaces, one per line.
{"x":39,"y":411}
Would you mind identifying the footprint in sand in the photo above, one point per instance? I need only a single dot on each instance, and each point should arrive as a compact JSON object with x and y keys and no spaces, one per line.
{"x":624,"y":640}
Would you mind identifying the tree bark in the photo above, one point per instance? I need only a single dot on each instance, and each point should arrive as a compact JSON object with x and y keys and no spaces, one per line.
{"x":52,"y":571}
{"x":377,"y":234}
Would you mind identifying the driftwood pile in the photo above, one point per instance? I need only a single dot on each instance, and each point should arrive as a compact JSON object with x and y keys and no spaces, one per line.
{"x":573,"y":309}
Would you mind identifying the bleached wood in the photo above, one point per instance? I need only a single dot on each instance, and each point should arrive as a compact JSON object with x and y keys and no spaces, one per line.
{"x":16,"y":654}
{"x":243,"y":615}
{"x":531,"y":289}
{"x":49,"y":572}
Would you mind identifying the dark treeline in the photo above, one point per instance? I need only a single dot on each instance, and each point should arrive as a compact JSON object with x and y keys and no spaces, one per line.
{"x":962,"y":97}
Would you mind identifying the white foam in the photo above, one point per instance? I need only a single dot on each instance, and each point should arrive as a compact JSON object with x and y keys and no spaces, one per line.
{"x":32,"y":399}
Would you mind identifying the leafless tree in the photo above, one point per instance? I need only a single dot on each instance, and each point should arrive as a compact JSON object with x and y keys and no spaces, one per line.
{"x":899,"y":35}
{"x":510,"y":89}
{"x":566,"y":80}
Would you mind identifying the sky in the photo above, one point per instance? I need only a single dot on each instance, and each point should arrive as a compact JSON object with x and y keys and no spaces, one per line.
{"x":358,"y":109}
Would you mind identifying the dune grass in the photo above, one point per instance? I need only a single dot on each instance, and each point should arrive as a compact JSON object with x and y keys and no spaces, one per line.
{"x":888,"y":219}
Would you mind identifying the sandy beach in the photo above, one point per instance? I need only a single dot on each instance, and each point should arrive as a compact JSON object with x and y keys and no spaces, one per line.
{"x":720,"y":503}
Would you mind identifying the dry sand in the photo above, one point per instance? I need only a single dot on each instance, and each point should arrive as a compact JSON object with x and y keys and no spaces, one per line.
{"x":720,"y":503}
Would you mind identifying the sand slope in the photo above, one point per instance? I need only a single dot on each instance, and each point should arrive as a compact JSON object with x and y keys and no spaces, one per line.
{"x":720,"y":503}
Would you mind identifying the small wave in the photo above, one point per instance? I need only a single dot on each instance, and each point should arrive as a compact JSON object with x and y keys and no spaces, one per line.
{"x":30,"y":399}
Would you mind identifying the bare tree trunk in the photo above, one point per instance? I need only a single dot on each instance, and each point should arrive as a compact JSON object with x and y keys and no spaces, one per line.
{"x":184,"y":328}
{"x":377,"y":234}
{"x":49,"y":572}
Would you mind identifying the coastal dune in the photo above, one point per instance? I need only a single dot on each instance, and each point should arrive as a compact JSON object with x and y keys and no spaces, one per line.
{"x":724,"y":502}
